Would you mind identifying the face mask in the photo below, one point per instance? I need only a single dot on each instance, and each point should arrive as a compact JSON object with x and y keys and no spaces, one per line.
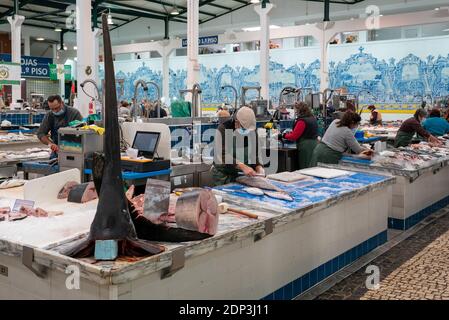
{"x":243,"y":132}
{"x":59,"y":113}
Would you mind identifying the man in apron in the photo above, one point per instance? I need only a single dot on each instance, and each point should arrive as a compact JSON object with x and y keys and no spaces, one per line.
{"x":236,"y":148}
{"x":59,"y":116}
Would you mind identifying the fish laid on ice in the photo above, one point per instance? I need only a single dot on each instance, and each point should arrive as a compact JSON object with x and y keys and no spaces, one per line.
{"x":13,"y":216}
{"x":278,"y":195}
{"x":12,"y":183}
{"x":257,"y":182}
{"x":254,"y":191}
{"x":39,"y":212}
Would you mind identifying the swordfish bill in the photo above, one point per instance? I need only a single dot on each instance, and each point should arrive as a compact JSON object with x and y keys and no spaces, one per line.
{"x":112,"y":219}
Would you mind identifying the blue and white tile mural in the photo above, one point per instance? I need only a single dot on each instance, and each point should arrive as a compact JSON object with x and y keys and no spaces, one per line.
{"x":398,"y":72}
{"x":395,"y":82}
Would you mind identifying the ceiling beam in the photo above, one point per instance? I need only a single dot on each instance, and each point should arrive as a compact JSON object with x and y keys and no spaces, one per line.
{"x":240,"y":1}
{"x":227,"y":12}
{"x":202,"y":3}
{"x":164,"y":3}
{"x":48,"y":4}
{"x":139,"y":12}
{"x":213,"y":4}
{"x":142,"y":15}
{"x":129,"y":21}
{"x":337,"y":2}
{"x":60,"y":15}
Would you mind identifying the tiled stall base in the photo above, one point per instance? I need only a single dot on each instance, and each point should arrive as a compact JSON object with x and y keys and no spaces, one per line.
{"x":405,"y":224}
{"x":302,"y":284}
{"x":16,"y":118}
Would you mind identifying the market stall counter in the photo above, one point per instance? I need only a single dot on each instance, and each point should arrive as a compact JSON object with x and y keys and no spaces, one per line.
{"x":16,"y":142}
{"x":291,"y":246}
{"x":421,"y":189}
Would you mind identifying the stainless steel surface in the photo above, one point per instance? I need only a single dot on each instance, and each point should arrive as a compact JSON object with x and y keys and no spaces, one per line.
{"x":247,"y":88}
{"x":145,"y":89}
{"x":99,"y":99}
{"x":189,"y":121}
{"x":71,"y":160}
{"x":96,"y":89}
{"x":8,"y":171}
{"x":158,"y":99}
{"x":357,"y":100}
{"x":196,"y":92}
{"x":288,"y":91}
{"x":75,"y":158}
{"x":236,"y":95}
{"x":191,"y":175}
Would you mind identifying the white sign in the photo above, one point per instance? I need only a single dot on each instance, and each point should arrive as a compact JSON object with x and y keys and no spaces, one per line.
{"x":10,"y":73}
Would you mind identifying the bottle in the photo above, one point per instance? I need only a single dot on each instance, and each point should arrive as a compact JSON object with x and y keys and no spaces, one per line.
{"x":378,"y":147}
{"x":91,"y":107}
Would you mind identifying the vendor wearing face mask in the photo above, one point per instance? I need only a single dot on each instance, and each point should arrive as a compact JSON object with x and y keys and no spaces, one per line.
{"x":412,"y":126}
{"x":338,"y":139}
{"x":305,"y":134}
{"x":59,"y":116}
{"x":240,"y":155}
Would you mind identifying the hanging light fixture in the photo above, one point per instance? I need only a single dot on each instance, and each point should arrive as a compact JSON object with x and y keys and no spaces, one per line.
{"x":174,"y":11}
{"x":110,"y":22}
{"x":58,"y":29}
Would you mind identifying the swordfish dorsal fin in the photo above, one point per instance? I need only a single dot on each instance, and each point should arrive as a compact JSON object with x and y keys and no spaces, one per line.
{"x":112,"y":220}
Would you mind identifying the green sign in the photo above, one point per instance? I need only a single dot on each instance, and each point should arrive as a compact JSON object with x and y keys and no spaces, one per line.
{"x":57,"y":71}
{"x":53,"y":72}
{"x":68,"y":72}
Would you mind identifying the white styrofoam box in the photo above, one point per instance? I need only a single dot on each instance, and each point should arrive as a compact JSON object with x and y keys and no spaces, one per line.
{"x":46,"y":189}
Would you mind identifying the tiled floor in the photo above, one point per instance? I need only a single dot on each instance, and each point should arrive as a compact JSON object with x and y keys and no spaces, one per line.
{"x":416,"y":268}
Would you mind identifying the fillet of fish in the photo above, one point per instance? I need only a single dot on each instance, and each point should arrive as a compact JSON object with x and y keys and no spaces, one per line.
{"x":258,"y":182}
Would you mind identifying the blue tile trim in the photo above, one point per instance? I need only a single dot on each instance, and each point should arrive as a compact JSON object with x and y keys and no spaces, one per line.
{"x":305,"y":282}
{"x":401,"y":224}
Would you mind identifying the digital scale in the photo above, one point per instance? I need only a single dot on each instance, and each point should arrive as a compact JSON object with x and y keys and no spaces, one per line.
{"x":146,"y":142}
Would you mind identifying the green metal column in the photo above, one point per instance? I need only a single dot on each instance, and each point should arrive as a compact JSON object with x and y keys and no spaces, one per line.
{"x":167,"y":27}
{"x":16,"y":7}
{"x":264,"y":3}
{"x":327,"y":10}
{"x":61,"y":39}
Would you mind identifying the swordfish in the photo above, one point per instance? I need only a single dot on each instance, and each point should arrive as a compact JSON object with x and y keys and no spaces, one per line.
{"x":113,"y":220}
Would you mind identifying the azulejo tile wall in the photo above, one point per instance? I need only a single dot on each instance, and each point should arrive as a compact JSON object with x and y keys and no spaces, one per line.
{"x":399,"y":73}
{"x":400,"y":82}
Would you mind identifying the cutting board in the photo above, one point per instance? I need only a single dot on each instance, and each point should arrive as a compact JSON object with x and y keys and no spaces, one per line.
{"x":288,"y":177}
{"x":324,"y":173}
